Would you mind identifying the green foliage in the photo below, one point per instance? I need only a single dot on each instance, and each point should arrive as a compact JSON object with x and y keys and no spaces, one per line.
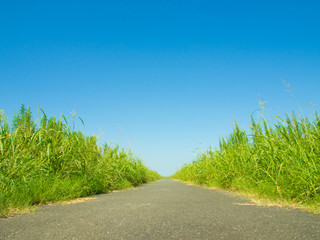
{"x":277,"y":161}
{"x":52,"y":162}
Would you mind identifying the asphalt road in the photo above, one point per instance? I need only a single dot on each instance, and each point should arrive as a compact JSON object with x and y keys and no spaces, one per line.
{"x":162,"y":210}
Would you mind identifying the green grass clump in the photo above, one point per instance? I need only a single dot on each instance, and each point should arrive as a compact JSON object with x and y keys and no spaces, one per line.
{"x":52,"y":162}
{"x":278,"y":161}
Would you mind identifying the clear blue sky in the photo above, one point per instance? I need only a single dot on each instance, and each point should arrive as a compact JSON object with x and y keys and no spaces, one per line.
{"x":164,"y":78}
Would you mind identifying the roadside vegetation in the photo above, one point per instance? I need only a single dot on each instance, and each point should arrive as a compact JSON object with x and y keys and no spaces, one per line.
{"x":275,"y":161}
{"x":50,"y":161}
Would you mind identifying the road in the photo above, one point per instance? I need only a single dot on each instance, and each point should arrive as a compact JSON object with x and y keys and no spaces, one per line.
{"x":165,"y":209}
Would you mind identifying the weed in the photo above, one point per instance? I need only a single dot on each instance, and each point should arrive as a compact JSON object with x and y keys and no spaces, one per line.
{"x":277,"y":161}
{"x":53,"y":162}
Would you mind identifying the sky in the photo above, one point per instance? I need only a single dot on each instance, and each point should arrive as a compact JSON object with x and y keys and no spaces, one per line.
{"x":165,"y":79}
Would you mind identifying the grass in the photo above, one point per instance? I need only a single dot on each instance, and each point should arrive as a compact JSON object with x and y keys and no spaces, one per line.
{"x":52,"y":162}
{"x":275,"y":161}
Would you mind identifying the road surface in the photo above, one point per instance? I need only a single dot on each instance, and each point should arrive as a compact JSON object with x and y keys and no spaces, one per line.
{"x":165,"y":209}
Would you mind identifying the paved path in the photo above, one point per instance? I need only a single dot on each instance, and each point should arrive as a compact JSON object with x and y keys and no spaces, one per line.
{"x":163,"y":210}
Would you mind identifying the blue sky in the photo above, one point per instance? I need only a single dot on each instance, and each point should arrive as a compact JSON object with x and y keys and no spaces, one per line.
{"x":164,"y":78}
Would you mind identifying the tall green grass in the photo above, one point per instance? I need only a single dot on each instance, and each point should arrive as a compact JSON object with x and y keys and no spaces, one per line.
{"x":274,"y":160}
{"x":51,"y":161}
